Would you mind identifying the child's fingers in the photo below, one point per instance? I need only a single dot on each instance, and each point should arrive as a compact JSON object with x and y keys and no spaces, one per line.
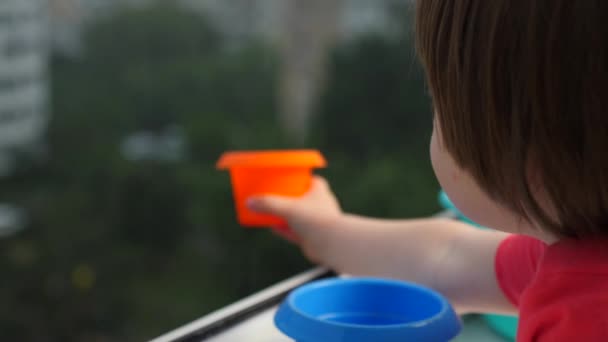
{"x":275,"y":205}
{"x":319,"y":182}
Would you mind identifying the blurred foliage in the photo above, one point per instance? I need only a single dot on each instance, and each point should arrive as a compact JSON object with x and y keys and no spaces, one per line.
{"x":118,"y":250}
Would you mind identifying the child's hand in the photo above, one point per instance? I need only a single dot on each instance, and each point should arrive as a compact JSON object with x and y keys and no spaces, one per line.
{"x":311,"y":217}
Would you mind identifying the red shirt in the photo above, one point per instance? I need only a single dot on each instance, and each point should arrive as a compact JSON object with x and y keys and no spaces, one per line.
{"x":561,"y":290}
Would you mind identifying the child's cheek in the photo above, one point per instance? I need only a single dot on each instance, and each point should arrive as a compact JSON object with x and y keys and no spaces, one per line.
{"x":454,"y":176}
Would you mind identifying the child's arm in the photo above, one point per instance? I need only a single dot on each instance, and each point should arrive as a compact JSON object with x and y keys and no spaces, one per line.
{"x":451,"y":257}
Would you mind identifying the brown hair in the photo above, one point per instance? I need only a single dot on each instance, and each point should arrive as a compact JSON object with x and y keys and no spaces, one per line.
{"x":521,"y":83}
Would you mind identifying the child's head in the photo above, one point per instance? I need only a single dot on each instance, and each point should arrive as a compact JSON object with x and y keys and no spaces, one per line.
{"x":520,"y":91}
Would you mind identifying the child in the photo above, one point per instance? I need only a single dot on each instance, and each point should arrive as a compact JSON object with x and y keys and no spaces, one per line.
{"x":520,"y":91}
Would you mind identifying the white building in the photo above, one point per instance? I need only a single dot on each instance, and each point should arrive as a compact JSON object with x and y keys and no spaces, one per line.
{"x":12,"y":220}
{"x":23,"y":77}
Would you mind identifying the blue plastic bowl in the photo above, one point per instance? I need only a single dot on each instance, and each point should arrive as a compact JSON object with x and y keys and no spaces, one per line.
{"x":366,"y":310}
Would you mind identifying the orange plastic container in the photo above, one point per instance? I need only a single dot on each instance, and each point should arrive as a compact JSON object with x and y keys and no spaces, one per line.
{"x":253,"y":173}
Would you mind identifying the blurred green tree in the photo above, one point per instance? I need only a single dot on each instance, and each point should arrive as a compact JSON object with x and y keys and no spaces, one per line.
{"x":124,"y":250}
